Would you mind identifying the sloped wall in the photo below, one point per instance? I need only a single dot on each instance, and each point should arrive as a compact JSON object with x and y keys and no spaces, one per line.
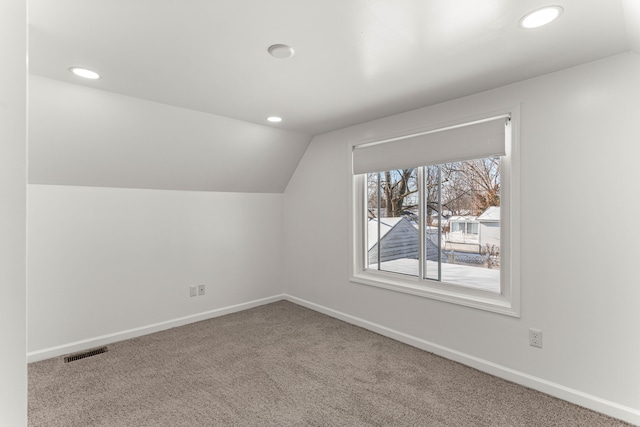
{"x":118,"y":230}
{"x":84,"y":136}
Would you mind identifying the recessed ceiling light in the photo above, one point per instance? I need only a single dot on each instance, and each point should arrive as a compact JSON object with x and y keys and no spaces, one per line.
{"x":274,"y":119}
{"x":541,"y":17}
{"x":281,"y":51}
{"x":83,"y":72}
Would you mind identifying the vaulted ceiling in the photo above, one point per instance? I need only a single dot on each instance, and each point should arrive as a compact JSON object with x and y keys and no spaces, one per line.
{"x":354,"y":61}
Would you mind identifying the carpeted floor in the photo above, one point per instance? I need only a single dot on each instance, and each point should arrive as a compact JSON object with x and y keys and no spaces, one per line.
{"x":282,"y":365}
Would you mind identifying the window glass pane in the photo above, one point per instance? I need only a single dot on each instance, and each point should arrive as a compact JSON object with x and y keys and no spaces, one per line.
{"x":392,"y":210}
{"x":471,"y":240}
{"x":472,"y":228}
{"x":462,"y":224}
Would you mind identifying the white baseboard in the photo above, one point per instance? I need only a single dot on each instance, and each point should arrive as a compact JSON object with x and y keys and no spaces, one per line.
{"x":577,"y":397}
{"x":73,"y":347}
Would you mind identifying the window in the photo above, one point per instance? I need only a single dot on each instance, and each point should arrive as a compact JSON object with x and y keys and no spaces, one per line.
{"x":435,"y":214}
{"x":455,"y":195}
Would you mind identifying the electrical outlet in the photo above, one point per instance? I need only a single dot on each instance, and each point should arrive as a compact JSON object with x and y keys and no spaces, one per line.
{"x":193,"y":291}
{"x":535,"y":338}
{"x":200,"y":289}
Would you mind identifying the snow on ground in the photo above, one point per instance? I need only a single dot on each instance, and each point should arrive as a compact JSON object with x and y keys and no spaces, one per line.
{"x":482,"y":278}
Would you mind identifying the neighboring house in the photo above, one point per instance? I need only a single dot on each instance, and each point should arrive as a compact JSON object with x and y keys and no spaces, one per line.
{"x":398,"y":240}
{"x":463,"y":229}
{"x":489,"y":227}
{"x":471,"y":234}
{"x":462,"y":235}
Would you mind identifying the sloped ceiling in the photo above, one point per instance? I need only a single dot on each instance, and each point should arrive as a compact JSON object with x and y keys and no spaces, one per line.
{"x":88,"y":137}
{"x":354,"y":61}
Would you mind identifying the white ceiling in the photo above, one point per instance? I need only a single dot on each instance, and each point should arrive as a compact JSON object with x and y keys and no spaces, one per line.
{"x":356,"y":60}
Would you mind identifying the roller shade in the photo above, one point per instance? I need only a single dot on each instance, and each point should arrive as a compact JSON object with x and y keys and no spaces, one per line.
{"x":483,"y":138}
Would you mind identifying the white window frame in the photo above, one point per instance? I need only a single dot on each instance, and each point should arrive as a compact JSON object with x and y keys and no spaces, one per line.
{"x":506,"y":302}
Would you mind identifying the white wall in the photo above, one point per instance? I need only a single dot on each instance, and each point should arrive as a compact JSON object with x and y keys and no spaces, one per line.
{"x":109,"y":263}
{"x":631,"y":10}
{"x":579,"y":134}
{"x":112,"y":249}
{"x":84,"y":136}
{"x":13,"y":146}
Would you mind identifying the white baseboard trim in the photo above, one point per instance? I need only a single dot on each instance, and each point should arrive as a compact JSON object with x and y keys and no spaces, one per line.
{"x":73,"y":347}
{"x":577,"y":397}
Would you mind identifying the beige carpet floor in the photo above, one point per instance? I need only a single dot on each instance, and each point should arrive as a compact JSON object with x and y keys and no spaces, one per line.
{"x":282,"y":365}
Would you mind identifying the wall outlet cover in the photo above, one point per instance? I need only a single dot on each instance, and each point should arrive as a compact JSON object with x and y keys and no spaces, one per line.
{"x":535,"y":338}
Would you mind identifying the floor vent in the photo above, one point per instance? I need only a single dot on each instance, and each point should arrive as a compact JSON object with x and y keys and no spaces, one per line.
{"x":82,"y":355}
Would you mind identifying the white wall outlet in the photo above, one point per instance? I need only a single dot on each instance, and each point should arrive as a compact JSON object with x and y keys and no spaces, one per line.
{"x":535,"y":338}
{"x":193,"y":291}
{"x":200,"y":289}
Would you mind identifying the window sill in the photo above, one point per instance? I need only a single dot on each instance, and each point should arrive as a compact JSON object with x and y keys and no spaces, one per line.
{"x":450,"y":293}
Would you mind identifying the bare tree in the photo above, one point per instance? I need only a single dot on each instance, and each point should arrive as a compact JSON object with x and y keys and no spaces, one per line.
{"x":398,"y":192}
{"x":457,"y":192}
{"x":457,"y":188}
{"x":467,"y":188}
{"x":397,"y":188}
{"x":484,"y":177}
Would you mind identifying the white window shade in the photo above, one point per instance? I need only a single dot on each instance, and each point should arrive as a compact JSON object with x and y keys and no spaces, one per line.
{"x":483,"y":138}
